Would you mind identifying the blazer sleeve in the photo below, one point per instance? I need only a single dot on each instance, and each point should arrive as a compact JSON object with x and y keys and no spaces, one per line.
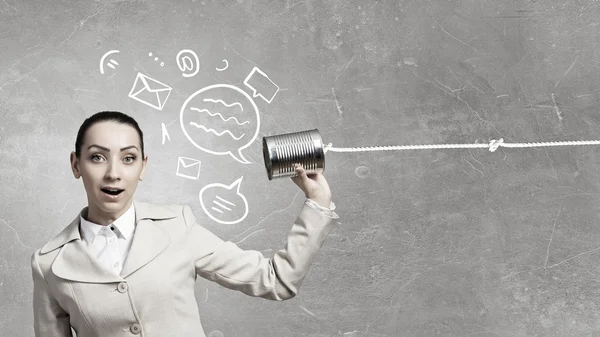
{"x":49,"y":319}
{"x":249,"y":271}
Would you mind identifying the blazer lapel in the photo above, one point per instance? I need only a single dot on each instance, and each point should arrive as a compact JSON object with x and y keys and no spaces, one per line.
{"x":73,"y":262}
{"x":149,"y":239}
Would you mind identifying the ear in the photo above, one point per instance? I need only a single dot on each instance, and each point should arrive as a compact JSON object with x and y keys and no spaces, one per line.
{"x":75,"y":165}
{"x":144,"y":162}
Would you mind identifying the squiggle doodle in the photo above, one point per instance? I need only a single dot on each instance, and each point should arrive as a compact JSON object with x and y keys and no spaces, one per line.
{"x":225,"y":104}
{"x":226,"y":66}
{"x":215,"y":132}
{"x":223,"y":118}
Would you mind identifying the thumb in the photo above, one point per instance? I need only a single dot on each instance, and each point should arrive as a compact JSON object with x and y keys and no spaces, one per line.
{"x":300,"y":174}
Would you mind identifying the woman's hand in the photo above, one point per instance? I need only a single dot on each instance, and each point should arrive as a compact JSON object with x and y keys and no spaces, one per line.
{"x":314,"y":186}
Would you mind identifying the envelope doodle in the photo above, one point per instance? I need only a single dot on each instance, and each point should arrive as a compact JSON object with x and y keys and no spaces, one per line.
{"x":188,"y":168}
{"x":150,"y":91}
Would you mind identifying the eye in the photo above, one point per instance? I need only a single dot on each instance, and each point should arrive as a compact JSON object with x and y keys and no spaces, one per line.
{"x":129,"y":159}
{"x":97,"y":157}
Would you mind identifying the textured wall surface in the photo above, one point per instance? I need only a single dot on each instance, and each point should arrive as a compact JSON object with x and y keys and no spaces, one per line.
{"x":444,"y":242}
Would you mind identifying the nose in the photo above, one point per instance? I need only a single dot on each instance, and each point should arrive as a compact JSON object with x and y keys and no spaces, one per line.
{"x":112,"y":171}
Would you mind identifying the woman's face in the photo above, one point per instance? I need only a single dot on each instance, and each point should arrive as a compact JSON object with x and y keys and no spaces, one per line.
{"x":110,"y":166}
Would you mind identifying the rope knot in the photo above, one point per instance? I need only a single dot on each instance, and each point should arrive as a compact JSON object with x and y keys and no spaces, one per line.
{"x":494,"y":144}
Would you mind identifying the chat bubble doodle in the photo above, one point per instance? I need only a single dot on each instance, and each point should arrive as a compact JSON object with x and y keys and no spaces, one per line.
{"x":111,"y":63}
{"x":261,"y":85}
{"x":220,"y":119}
{"x":224,"y":203}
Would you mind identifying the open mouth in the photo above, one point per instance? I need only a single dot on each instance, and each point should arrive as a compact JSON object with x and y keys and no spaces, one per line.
{"x":112,"y":191}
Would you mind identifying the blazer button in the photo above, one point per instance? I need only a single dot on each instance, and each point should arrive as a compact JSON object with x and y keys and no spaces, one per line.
{"x":122,"y":287}
{"x":135,"y":328}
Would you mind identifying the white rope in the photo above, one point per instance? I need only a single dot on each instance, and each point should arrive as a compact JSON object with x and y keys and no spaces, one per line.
{"x":492,"y":146}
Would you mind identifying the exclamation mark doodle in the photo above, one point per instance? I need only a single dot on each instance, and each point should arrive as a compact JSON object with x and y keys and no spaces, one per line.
{"x":156,"y":59}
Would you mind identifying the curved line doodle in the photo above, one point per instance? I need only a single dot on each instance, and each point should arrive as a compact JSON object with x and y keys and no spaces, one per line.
{"x":226,"y":66}
{"x":225,"y":104}
{"x":223,"y":118}
{"x":215,"y":132}
{"x":111,"y":62}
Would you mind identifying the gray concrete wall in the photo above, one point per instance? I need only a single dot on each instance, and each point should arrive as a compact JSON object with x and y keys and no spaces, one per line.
{"x":446,"y":242}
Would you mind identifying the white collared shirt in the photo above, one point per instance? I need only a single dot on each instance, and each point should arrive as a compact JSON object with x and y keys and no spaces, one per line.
{"x":110,"y":244}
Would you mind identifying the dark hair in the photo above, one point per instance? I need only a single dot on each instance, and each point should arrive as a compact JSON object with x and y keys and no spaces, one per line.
{"x":106,"y":116}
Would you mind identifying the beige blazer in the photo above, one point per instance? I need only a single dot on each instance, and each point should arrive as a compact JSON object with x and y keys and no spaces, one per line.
{"x":154,"y":294}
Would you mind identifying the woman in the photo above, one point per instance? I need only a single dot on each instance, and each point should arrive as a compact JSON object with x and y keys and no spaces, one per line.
{"x":126,"y":267}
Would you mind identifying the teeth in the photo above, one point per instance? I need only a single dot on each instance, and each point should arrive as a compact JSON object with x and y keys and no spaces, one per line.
{"x":112,"y":190}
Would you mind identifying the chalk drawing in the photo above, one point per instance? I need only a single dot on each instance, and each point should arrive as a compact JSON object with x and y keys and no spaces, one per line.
{"x":261,"y":82}
{"x":188,"y":168}
{"x":226,"y":66}
{"x":156,"y":59}
{"x":165,"y":133}
{"x":223,"y":102}
{"x":220,"y":119}
{"x":150,"y":91}
{"x":220,"y":115}
{"x":111,"y":63}
{"x":224,"y":203}
{"x":188,"y":62}
{"x":215,"y":131}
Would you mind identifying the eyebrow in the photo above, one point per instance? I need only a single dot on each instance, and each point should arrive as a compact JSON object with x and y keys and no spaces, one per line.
{"x":108,"y":150}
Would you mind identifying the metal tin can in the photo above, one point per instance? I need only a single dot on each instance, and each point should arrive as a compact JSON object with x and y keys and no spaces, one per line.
{"x":281,"y":152}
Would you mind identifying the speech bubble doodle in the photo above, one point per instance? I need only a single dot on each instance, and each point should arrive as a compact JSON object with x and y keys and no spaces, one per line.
{"x":187,"y":60}
{"x":111,"y":63}
{"x":261,"y":83}
{"x":219,"y":118}
{"x":224,"y":203}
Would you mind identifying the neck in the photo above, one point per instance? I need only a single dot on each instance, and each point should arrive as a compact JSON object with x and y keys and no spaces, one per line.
{"x":102,"y":217}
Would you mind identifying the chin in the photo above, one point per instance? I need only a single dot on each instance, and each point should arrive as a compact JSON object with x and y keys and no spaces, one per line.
{"x":112,"y":206}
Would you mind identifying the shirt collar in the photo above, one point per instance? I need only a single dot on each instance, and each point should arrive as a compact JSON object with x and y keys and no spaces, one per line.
{"x":124,"y":226}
